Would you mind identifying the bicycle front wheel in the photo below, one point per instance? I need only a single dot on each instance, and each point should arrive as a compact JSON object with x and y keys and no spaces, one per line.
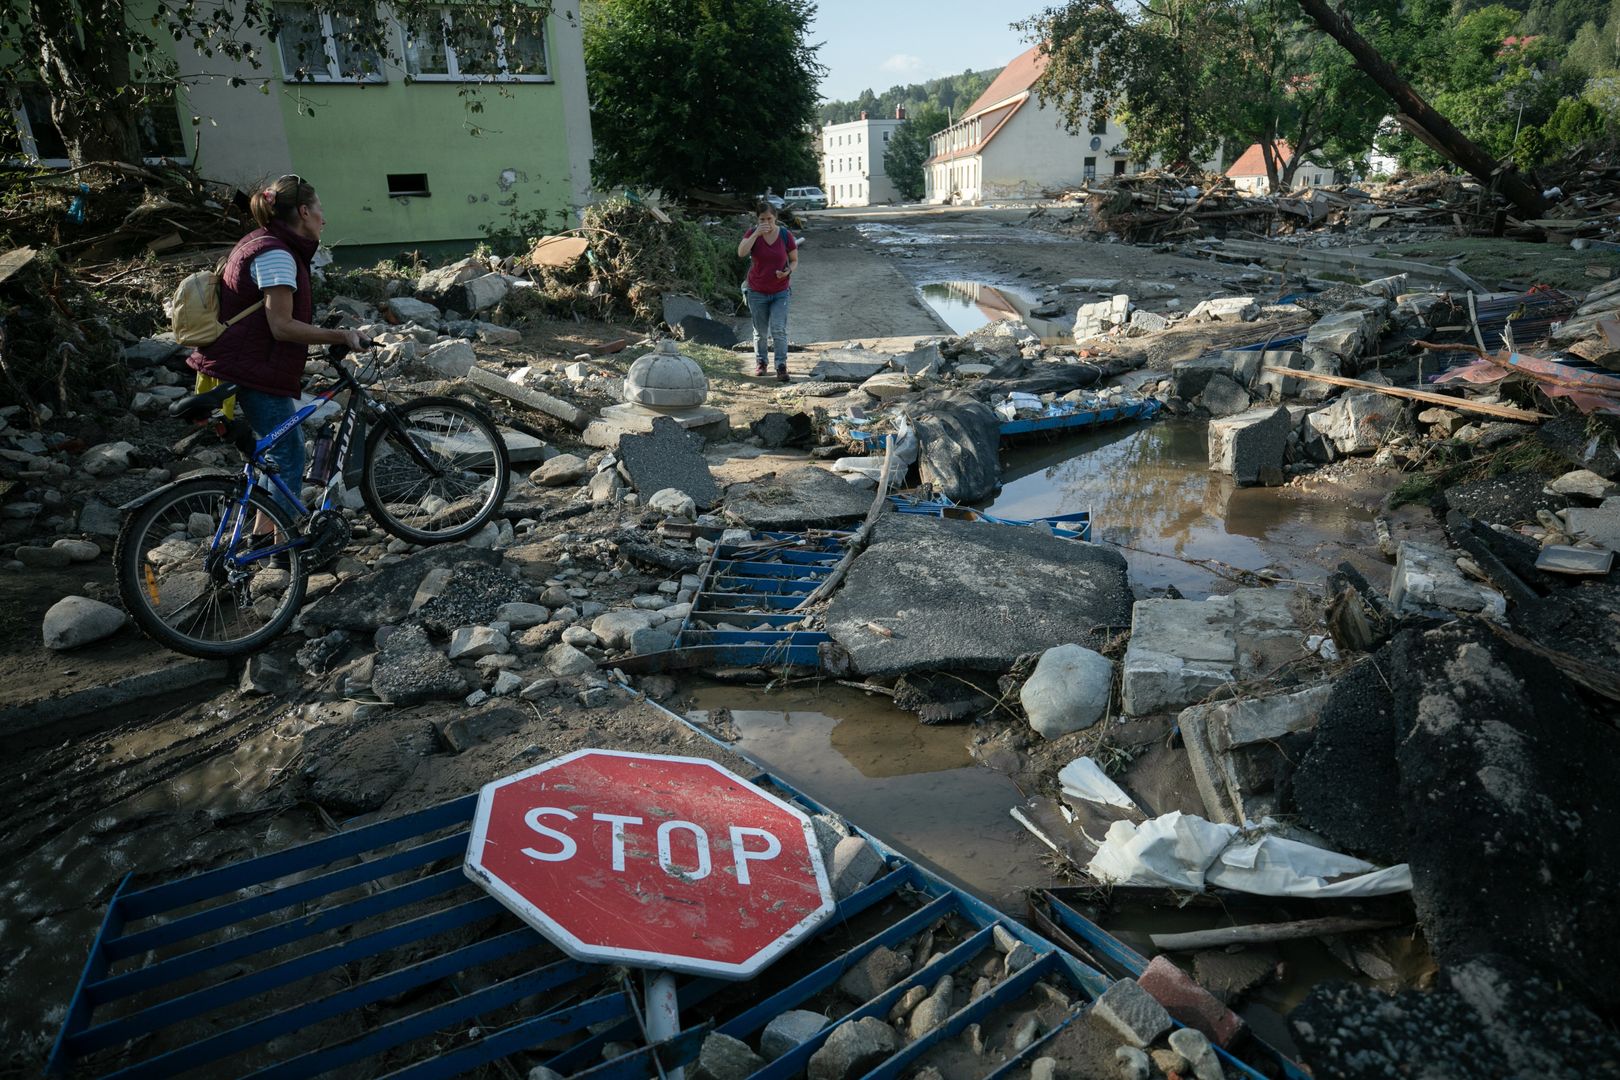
{"x":188,"y":587}
{"x":436,"y":472}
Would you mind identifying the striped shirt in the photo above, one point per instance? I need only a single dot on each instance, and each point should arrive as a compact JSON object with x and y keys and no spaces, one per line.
{"x":274,"y":268}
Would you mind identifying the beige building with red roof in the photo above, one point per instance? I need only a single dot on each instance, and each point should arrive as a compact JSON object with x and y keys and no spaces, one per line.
{"x":1008,"y":145}
{"x":1248,"y":172}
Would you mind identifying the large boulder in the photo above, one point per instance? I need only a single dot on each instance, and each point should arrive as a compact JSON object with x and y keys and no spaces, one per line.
{"x":959,"y":449}
{"x":1355,"y":423}
{"x":1068,"y":691}
{"x":78,"y":620}
{"x":1249,"y":446}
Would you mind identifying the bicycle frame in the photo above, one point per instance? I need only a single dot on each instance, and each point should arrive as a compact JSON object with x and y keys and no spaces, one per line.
{"x":258,"y":465}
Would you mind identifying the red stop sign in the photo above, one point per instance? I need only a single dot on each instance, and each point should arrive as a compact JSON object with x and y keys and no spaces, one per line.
{"x":667,"y":862}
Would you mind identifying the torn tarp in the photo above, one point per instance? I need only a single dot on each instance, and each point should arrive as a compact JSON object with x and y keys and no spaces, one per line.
{"x":1183,"y":851}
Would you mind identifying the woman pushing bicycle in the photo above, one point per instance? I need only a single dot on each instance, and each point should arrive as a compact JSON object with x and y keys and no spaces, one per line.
{"x":264,"y":353}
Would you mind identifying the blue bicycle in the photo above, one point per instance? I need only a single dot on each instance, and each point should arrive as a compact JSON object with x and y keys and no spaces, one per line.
{"x":213,"y":565}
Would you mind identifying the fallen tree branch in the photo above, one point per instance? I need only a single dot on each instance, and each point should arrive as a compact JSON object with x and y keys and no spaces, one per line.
{"x":1255,"y":933}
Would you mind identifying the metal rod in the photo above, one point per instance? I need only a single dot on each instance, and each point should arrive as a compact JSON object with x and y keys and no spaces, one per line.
{"x":663,"y":1014}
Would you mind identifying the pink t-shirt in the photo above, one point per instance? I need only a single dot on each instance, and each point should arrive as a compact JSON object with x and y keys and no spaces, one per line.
{"x":767,"y":259}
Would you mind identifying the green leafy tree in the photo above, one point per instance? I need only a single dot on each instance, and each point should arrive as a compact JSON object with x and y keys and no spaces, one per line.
{"x":693,"y":95}
{"x":100,"y":62}
{"x":1165,"y":67}
{"x":908,"y":149}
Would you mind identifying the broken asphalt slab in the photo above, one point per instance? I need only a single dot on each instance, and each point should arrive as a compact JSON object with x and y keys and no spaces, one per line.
{"x":962,"y":594}
{"x":804,"y":497}
{"x":384,"y":596}
{"x":668,"y":457}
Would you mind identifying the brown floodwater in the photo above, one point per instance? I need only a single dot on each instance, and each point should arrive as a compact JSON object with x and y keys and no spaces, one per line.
{"x":911,"y":785}
{"x":1150,"y":491}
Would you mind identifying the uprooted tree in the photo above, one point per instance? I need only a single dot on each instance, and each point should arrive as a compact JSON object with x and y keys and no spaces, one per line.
{"x":99,"y":64}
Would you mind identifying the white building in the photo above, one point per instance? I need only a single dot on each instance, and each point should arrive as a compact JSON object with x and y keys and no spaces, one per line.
{"x":1248,"y":172}
{"x":852,"y":171}
{"x":1008,"y":145}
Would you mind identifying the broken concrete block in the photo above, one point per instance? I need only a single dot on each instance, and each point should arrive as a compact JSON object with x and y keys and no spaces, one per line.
{"x":1096,"y":285}
{"x":1180,"y":651}
{"x":1599,"y":525}
{"x":484,"y":292}
{"x":1223,"y":397}
{"x":1149,"y":322}
{"x":1271,"y":384}
{"x":1226,"y":309}
{"x":1581,"y":482}
{"x":409,"y":310}
{"x":855,"y":863}
{"x":1427,"y":578}
{"x":923,"y":360}
{"x":1131,"y":1013}
{"x":668,"y":457}
{"x":1355,"y":423}
{"x":1068,"y":691}
{"x":888,"y":384}
{"x":1250,"y":445}
{"x":451,"y":359}
{"x":1189,"y":377}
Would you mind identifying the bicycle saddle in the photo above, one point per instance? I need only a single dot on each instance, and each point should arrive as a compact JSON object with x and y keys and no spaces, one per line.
{"x":199,"y":406}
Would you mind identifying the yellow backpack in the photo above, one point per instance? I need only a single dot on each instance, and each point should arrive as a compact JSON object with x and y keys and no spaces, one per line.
{"x":195,"y":310}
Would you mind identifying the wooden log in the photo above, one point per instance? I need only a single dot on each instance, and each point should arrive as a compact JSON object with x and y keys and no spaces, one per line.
{"x":1258,"y":933}
{"x":1501,"y":412}
{"x":857,"y":542}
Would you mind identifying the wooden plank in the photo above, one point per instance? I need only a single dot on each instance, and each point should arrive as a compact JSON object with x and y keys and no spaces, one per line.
{"x":1501,"y":412}
{"x":14,"y":260}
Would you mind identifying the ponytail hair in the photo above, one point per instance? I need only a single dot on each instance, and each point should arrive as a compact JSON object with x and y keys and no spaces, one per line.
{"x":281,"y":200}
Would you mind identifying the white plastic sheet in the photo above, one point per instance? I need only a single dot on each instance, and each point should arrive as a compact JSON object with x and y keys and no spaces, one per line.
{"x":1183,"y":851}
{"x":1083,"y":778}
{"x":903,"y":449}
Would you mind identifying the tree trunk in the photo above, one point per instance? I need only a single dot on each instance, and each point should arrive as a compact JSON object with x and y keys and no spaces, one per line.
{"x":1443,"y":135}
{"x":85,"y":67}
{"x":1268,"y":151}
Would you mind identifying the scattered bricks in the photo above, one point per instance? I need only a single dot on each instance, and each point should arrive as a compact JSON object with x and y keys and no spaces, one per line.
{"x":854,"y":1049}
{"x":726,"y":1058}
{"x":874,"y":973}
{"x":933,"y":1011}
{"x":1132,"y":1013}
{"x":789,"y":1030}
{"x":855,"y":862}
{"x":1188,"y":1002}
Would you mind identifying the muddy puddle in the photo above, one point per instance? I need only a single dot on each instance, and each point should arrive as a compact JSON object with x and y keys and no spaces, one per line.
{"x":888,"y":235}
{"x":967,"y":305}
{"x":912,"y":785}
{"x":1150,"y":492}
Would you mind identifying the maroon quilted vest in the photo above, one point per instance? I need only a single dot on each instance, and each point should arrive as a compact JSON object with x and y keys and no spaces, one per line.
{"x":248,"y":354}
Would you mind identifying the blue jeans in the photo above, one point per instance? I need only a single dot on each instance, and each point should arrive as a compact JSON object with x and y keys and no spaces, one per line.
{"x":264,"y":413}
{"x":770,"y":312}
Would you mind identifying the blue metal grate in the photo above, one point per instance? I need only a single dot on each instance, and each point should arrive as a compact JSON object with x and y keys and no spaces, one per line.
{"x":369,"y":953}
{"x":744,"y":613}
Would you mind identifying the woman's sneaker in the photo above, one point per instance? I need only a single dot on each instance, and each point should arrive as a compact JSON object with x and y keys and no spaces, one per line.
{"x":759,"y":368}
{"x":781,"y":374}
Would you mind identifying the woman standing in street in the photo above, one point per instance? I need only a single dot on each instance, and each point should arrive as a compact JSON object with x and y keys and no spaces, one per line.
{"x":772,"y":256}
{"x":264,"y":353}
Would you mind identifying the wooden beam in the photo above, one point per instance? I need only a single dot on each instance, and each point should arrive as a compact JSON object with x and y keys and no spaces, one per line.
{"x":1255,"y":933}
{"x":1501,"y":412}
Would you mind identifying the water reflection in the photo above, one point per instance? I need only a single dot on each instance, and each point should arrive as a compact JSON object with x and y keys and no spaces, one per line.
{"x":912,"y":785}
{"x":967,"y":305}
{"x":1149,"y":487}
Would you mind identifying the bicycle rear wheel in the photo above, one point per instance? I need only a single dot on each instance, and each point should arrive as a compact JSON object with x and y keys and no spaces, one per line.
{"x":179,"y":580}
{"x":439,"y":475}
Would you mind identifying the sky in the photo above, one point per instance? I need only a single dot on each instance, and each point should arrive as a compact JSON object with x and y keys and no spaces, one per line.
{"x":876,"y":44}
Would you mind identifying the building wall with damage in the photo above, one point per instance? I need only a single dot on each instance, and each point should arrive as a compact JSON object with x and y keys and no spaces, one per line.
{"x":405,"y":162}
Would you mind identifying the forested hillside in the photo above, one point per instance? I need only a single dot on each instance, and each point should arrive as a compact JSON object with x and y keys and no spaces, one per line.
{"x":950,"y":94}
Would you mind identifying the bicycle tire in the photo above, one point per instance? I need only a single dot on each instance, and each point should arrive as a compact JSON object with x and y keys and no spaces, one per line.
{"x":386,"y":481}
{"x":142,"y":590}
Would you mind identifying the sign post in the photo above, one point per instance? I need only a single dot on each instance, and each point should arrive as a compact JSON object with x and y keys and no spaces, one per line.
{"x":671,"y":864}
